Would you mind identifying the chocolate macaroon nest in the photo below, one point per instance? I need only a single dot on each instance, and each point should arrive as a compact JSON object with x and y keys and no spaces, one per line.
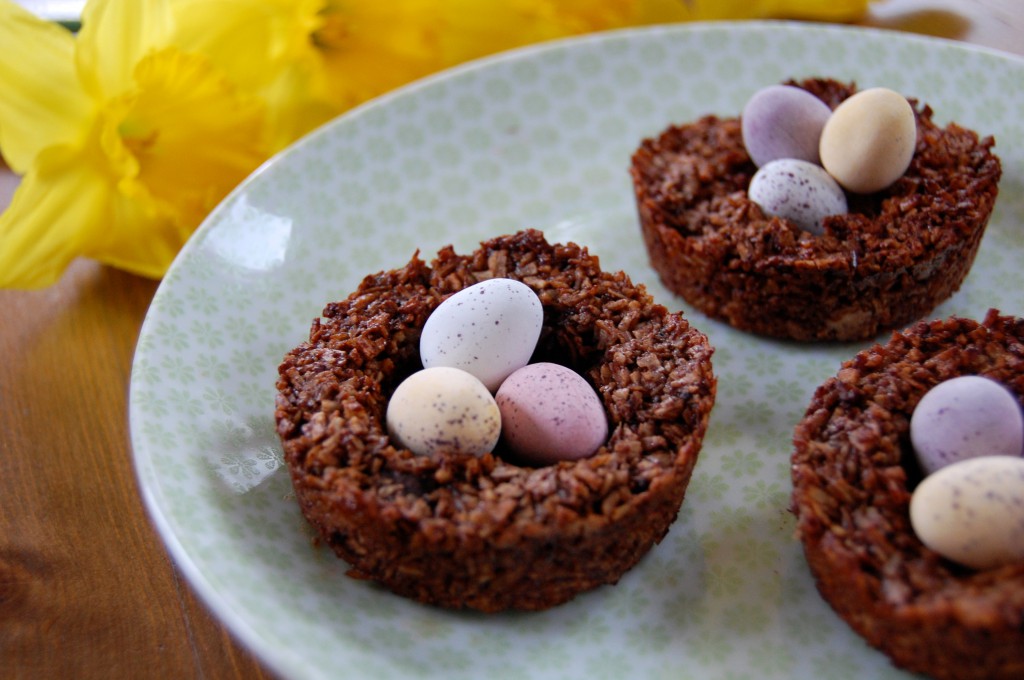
{"x":889,"y":261}
{"x":481,"y":532}
{"x":853,"y":471}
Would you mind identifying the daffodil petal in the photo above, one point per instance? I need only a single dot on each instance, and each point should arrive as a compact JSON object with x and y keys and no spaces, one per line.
{"x":364,"y":49}
{"x":115,"y":35}
{"x":42,"y":102}
{"x":832,"y":10}
{"x":66,"y":206}
{"x":407,"y":29}
{"x":142,"y":236}
{"x":295,"y":112}
{"x":474,"y":31}
{"x":56,"y":208}
{"x":250,"y":40}
{"x":659,"y":11}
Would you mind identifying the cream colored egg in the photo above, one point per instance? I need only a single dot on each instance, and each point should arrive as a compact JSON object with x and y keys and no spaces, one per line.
{"x":972,"y":511}
{"x":868,"y":142}
{"x":443,"y":409}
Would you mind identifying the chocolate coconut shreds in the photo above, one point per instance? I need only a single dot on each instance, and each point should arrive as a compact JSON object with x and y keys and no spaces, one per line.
{"x":886,"y":263}
{"x":853,"y":472}
{"x":462,"y":531}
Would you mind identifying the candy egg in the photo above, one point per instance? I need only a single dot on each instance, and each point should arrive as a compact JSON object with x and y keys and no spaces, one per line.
{"x":972,"y":512}
{"x":443,"y":408}
{"x":488,"y":329}
{"x":782,"y":121}
{"x":798,"y":191}
{"x":868,"y":142}
{"x":965,"y":417}
{"x":550,"y":413}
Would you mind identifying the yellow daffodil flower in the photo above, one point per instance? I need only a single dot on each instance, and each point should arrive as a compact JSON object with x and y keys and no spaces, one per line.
{"x":322,"y":56}
{"x":125,"y":141}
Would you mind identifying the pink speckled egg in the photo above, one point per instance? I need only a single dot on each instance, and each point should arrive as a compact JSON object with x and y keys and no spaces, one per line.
{"x":550,"y":413}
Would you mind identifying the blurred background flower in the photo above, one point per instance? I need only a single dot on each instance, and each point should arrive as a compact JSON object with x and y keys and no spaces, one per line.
{"x":128,"y":132}
{"x":317,"y":57}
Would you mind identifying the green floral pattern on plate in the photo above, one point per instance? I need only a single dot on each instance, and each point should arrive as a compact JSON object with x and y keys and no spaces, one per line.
{"x":536,"y":138}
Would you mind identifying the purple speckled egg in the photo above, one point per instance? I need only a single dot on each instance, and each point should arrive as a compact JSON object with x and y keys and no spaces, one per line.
{"x":550,"y":413}
{"x":799,"y":191}
{"x":782,"y":121}
{"x":965,"y":417}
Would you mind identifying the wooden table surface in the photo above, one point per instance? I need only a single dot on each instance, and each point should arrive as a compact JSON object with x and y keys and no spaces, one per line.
{"x":86,"y":587}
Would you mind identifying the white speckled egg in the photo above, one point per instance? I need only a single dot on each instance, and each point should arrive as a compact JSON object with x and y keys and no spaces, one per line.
{"x":798,"y":191}
{"x":550,"y":413}
{"x":443,"y":408}
{"x":965,"y":417}
{"x":868,"y":142}
{"x":783,"y":121}
{"x":488,"y":329}
{"x":972,"y":512}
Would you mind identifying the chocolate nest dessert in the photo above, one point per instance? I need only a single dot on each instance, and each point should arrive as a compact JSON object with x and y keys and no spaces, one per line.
{"x":462,"y":531}
{"x":853,"y":473}
{"x":886,"y":263}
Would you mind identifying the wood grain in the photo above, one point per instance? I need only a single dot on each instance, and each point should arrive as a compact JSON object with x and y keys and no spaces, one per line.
{"x":86,"y":587}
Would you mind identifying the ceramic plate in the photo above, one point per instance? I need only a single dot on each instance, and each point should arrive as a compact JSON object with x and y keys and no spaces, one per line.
{"x":536,"y":138}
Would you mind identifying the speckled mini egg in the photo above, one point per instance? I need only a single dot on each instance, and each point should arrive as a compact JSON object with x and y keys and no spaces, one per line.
{"x":965,"y":417}
{"x":869,"y":140}
{"x":799,"y":191}
{"x":972,"y":512}
{"x":783,"y":121}
{"x":443,"y":408}
{"x":550,"y":413}
{"x":488,"y":329}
